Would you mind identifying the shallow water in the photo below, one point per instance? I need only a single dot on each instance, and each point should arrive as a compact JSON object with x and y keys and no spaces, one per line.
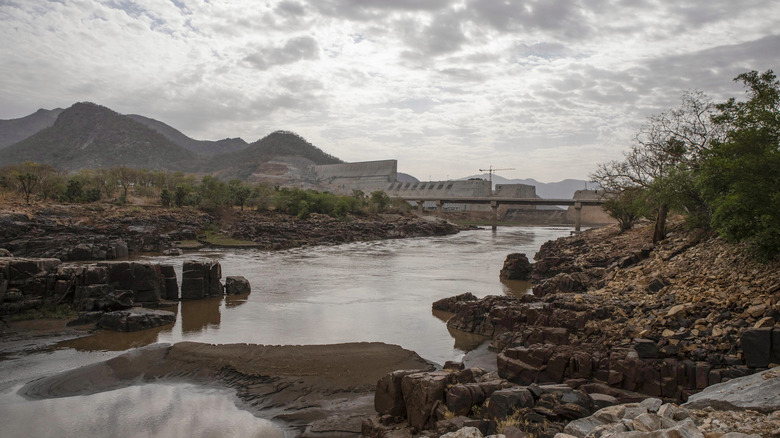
{"x":368,"y":291}
{"x":153,"y":410}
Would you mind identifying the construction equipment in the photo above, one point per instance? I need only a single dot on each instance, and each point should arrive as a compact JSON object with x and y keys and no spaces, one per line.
{"x":491,"y":171}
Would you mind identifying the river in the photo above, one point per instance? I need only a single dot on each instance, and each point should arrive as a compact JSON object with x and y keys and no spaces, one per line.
{"x":366,"y":291}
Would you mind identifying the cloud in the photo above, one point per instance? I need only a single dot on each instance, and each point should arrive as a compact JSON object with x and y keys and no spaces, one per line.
{"x":294,"y":50}
{"x":551,"y":87}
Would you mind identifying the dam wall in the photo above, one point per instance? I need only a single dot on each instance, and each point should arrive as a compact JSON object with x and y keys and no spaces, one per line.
{"x":367,"y":176}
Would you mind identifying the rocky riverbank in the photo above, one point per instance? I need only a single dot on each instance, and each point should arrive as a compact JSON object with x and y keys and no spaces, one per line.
{"x":75,"y":232}
{"x":612,"y":320}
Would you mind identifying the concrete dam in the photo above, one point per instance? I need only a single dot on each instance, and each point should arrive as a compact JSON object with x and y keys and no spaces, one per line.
{"x":370,"y":176}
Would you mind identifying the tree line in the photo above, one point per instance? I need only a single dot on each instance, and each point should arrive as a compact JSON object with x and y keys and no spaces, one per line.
{"x":718,"y":164}
{"x":176,"y":190}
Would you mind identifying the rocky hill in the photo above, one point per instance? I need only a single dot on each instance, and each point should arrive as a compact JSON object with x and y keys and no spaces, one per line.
{"x":203,"y":147}
{"x":16,"y":130}
{"x":281,"y":154}
{"x":87,"y":135}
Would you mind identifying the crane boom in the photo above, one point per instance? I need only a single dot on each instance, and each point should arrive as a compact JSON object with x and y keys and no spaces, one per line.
{"x":490,"y":170}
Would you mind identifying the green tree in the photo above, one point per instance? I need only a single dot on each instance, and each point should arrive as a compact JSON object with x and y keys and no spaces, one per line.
{"x":740,"y":176}
{"x":670,"y":141}
{"x":74,"y":192}
{"x":239,"y":192}
{"x":379,"y":201}
{"x":27,"y":183}
{"x":166,"y":197}
{"x":180,"y":194}
{"x":626,"y":207}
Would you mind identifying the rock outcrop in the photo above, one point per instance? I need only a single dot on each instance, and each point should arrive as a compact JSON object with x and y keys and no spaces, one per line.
{"x":516,"y":267}
{"x":237,"y":285}
{"x":135,"y":319}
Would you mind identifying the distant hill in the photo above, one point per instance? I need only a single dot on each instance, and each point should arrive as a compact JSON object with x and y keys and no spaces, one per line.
{"x":203,"y":147}
{"x":281,"y":154}
{"x":556,"y":190}
{"x":16,"y":130}
{"x":405,"y":177}
{"x":87,"y":135}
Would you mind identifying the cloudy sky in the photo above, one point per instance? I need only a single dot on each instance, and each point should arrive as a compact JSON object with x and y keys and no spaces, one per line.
{"x":549,"y":87}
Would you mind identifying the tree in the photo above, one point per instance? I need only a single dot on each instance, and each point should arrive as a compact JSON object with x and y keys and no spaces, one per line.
{"x":166,"y":197}
{"x":740,"y":175}
{"x":626,"y":207}
{"x":379,"y":200}
{"x":27,"y":183}
{"x":125,"y":177}
{"x":673,"y":140}
{"x":239,"y":193}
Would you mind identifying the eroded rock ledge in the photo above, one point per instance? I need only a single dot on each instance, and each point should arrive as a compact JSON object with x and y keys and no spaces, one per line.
{"x":318,"y":390}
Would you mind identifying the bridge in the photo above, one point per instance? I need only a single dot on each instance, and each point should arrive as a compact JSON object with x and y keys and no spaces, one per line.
{"x":494,"y":202}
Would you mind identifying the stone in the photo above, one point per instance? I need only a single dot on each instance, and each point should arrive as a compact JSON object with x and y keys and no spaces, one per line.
{"x":466,"y":432}
{"x":651,"y":422}
{"x":135,"y":319}
{"x":756,"y":347}
{"x":421,"y":391}
{"x":582,"y":427}
{"x":764,"y":322}
{"x":775,"y":356}
{"x":86,"y":297}
{"x":759,"y":392}
{"x":461,"y":398}
{"x":601,"y":401}
{"x":516,"y":267}
{"x":513,"y":432}
{"x":115,"y":300}
{"x":651,"y":404}
{"x":388,"y":398}
{"x":646,"y":348}
{"x":677,"y":311}
{"x":5,"y":253}
{"x":504,"y":402}
{"x":171,"y":282}
{"x":237,"y":285}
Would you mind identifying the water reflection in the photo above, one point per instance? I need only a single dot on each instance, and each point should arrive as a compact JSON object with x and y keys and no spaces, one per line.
{"x":517,"y":288}
{"x":233,"y":301}
{"x":199,"y":315}
{"x":109,"y":340}
{"x":153,"y":410}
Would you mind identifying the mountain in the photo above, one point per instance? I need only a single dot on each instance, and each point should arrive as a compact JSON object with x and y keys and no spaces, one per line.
{"x":16,"y":130}
{"x":281,"y":155}
{"x":556,"y":190}
{"x":87,"y":135}
{"x":405,"y":177}
{"x":203,"y":147}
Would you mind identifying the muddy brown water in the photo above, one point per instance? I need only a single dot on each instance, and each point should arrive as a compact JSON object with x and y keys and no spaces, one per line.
{"x":368,"y":291}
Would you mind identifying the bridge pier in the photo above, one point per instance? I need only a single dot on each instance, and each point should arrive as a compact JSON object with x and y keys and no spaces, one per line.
{"x":439,"y":206}
{"x":420,"y":206}
{"x":577,"y":216}
{"x":494,"y":207}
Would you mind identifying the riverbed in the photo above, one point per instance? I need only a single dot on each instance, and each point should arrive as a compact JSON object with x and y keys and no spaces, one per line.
{"x":367,"y":291}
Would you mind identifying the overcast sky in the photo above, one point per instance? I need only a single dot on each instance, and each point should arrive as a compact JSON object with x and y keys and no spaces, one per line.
{"x":549,"y":87}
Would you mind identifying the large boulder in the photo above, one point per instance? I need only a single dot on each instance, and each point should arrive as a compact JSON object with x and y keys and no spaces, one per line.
{"x":758,"y":392}
{"x":201,"y":279}
{"x":135,"y":319}
{"x":516,"y":267}
{"x":422,"y":392}
{"x":144,"y":279}
{"x":237,"y":285}
{"x":171,"y":283}
{"x":389,"y":398}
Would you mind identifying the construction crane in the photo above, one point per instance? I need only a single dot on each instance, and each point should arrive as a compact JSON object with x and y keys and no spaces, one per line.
{"x":491,"y":171}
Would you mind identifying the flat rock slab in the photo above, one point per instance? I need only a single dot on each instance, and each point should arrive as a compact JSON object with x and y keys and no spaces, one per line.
{"x":306,"y":386}
{"x":133,"y":320}
{"x":759,"y":392}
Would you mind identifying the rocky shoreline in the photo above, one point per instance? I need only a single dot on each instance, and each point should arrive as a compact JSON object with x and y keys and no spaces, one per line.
{"x":107,"y":232}
{"x":612,"y":320}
